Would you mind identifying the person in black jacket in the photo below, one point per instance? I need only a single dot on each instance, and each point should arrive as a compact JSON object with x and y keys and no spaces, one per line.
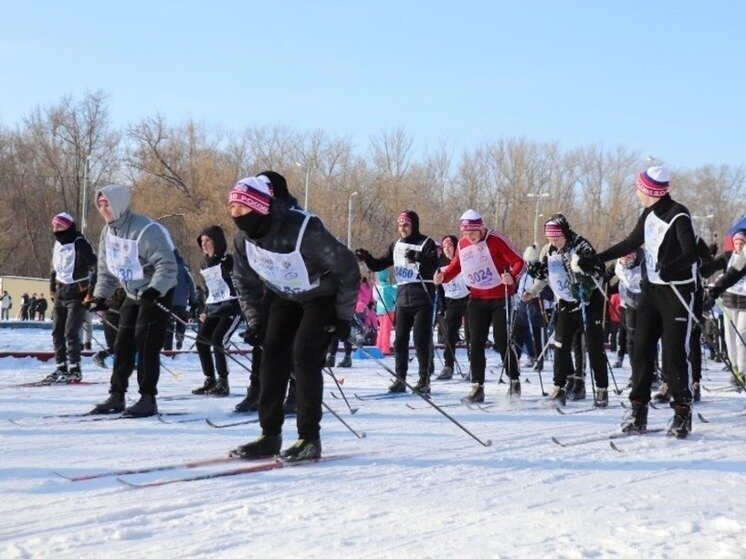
{"x":222,"y":312}
{"x":666,"y":301}
{"x":41,"y":308}
{"x":414,"y":257}
{"x":314,"y":281}
{"x":72,"y":279}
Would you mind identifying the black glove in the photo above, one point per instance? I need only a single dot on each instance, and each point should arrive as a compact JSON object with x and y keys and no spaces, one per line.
{"x":150,"y":294}
{"x":664,"y":272}
{"x":342,"y":329}
{"x":252,"y":335}
{"x":95,"y":304}
{"x":363,"y":255}
{"x":714,"y":292}
{"x":412,"y":256}
{"x":533,"y":269}
{"x":587,"y":263}
{"x":709,"y":302}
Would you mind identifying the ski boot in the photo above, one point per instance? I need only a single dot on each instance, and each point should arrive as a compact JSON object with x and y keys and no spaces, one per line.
{"x":445,"y":374}
{"x":72,"y":376}
{"x":422,"y":386}
{"x":664,"y":394}
{"x":681,"y":424}
{"x":289,"y":406}
{"x":398,"y":387}
{"x":207,"y":385}
{"x":515,"y":388}
{"x":346,"y":361}
{"x":87,"y":346}
{"x":636,"y":421}
{"x":144,"y":407}
{"x":99,"y":358}
{"x":578,"y":390}
{"x":302,"y":449}
{"x":558,"y":396}
{"x":113,"y":404}
{"x":331,"y":361}
{"x":475,"y":396}
{"x":221,"y":388}
{"x":696,"y":392}
{"x":602,"y":398}
{"x":56,"y":374}
{"x":251,"y":402}
{"x":266,"y":446}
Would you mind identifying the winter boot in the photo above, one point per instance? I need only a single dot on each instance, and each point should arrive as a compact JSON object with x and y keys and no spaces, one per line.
{"x":144,"y":407}
{"x":656,"y":384}
{"x":99,"y":358}
{"x":208,"y":385}
{"x":398,"y":387}
{"x":664,"y":395}
{"x":114,"y":404}
{"x":515,"y":388}
{"x":681,"y":424}
{"x":221,"y":388}
{"x":251,"y":402}
{"x":422,"y":386}
{"x":87,"y":346}
{"x":475,"y":396}
{"x":331,"y":360}
{"x":696,"y":392}
{"x":289,"y":405}
{"x":602,"y":398}
{"x":266,"y":446}
{"x":346,"y":362}
{"x":558,"y":396}
{"x":578,"y":390}
{"x":636,"y":421}
{"x":55,"y":375}
{"x":445,"y":374}
{"x":302,"y":449}
{"x":72,"y":375}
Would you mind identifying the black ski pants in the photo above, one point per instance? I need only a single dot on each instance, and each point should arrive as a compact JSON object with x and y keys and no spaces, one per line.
{"x":454,"y":316}
{"x":420,"y":320}
{"x":68,"y":319}
{"x":142,"y":327}
{"x":296,"y":337}
{"x":660,"y":315}
{"x":570,"y":321}
{"x":214,"y":333}
{"x":481,"y":314}
{"x":176,"y":326}
{"x":528,"y":328}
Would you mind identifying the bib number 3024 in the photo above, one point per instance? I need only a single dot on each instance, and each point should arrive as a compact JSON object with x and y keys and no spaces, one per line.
{"x":480,"y":276}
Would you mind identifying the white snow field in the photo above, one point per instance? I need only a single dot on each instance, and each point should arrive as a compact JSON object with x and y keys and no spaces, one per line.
{"x":416,"y":486}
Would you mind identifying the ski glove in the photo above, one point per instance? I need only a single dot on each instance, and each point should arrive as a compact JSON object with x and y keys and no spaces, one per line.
{"x":587,"y":263}
{"x":664,"y":272}
{"x":252,"y":334}
{"x":95,"y":304}
{"x":709,"y":302}
{"x":342,"y":329}
{"x":412,"y":256}
{"x":363,"y":255}
{"x":150,"y":294}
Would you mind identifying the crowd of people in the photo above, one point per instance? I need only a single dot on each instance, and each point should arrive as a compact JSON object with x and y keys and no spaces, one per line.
{"x":300,"y":293}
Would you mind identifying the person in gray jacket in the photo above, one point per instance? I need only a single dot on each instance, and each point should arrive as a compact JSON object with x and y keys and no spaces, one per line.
{"x":136,"y":254}
{"x":314,"y":279}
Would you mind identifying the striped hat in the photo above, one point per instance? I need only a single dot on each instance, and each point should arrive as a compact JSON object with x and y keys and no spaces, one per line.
{"x":653,"y":181}
{"x":471,"y":220}
{"x":404,"y":219}
{"x":740,"y":235}
{"x":557,"y":226}
{"x":253,"y":193}
{"x":63,"y":221}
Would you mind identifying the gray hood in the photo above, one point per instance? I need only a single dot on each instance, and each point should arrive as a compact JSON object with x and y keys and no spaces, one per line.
{"x":118,"y":196}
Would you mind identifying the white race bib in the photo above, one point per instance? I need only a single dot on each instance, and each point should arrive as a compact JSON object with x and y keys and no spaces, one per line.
{"x":477,"y":267}
{"x":559,"y":279}
{"x":123,"y":256}
{"x":456,"y":288}
{"x":63,"y":262}
{"x":217,"y":287}
{"x":655,"y":231}
{"x":404,"y":270}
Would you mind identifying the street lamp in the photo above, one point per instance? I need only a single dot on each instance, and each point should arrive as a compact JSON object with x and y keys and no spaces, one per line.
{"x":84,"y":204}
{"x":349,"y":218}
{"x":538,"y":196}
{"x":305,"y":198}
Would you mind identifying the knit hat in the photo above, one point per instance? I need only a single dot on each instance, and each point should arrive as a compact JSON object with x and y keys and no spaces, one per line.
{"x":404,"y":219}
{"x":557,"y":226}
{"x":63,"y":220}
{"x":653,"y":181}
{"x":253,"y":193}
{"x":740,"y":235}
{"x":471,"y":220}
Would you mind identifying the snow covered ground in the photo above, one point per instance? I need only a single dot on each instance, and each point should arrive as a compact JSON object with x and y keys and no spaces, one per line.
{"x":416,"y":486}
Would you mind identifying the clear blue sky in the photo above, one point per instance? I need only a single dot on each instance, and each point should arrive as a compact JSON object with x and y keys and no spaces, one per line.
{"x":665,"y":77}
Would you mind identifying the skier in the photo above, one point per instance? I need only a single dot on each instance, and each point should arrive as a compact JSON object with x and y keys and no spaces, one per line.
{"x":72,"y":279}
{"x":490,"y":267}
{"x":414,"y":257}
{"x":222,"y":311}
{"x":184,"y":294}
{"x":314,"y":280}
{"x":6,"y":303}
{"x":579,"y":309}
{"x":455,"y":300}
{"x":41,"y":308}
{"x":529,"y":317}
{"x":666,"y":300}
{"x":385,"y":294}
{"x":628,"y":269}
{"x":136,"y":254}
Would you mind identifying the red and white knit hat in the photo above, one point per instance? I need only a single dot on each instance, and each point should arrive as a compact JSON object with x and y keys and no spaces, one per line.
{"x":252,"y":193}
{"x":653,"y":181}
{"x":740,"y":235}
{"x":471,"y":220}
{"x":63,"y":220}
{"x":404,"y":219}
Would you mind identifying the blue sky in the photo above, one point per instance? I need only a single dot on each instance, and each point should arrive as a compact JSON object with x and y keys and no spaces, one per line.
{"x":665,"y":77}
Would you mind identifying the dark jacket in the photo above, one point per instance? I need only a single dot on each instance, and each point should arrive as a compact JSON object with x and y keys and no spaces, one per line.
{"x":225,"y":261}
{"x":84,"y":272}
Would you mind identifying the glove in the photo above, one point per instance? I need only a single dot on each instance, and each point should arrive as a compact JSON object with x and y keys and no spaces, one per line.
{"x":587,"y":263}
{"x":713,"y":292}
{"x":412,"y":256}
{"x":252,"y":334}
{"x":95,"y":304}
{"x":363,"y":255}
{"x":150,"y":294}
{"x":664,"y":272}
{"x":342,"y":329}
{"x":709,"y":303}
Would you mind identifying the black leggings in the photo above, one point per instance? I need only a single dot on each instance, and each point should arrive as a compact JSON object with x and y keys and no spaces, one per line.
{"x":481,"y":314}
{"x":418,"y":319}
{"x":215,"y":332}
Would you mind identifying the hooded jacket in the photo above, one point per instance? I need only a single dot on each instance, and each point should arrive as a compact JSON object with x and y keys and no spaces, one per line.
{"x":225,"y":261}
{"x":155,"y":251}
{"x":84,"y":271}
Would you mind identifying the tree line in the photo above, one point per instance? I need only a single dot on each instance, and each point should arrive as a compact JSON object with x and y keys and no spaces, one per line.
{"x":180,"y":173}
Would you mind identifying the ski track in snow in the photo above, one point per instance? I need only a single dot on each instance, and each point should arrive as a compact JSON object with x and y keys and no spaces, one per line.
{"x":417,"y":486}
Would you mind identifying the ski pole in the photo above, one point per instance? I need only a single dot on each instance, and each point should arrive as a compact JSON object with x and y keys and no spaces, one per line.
{"x":339,"y":386}
{"x":388,"y":369}
{"x":608,"y":365}
{"x":533,"y":344}
{"x":360,"y":435}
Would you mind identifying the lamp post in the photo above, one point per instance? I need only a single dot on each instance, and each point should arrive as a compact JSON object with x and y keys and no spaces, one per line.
{"x":84,"y":203}
{"x":538,"y":196}
{"x":308,"y":170}
{"x":349,"y":218}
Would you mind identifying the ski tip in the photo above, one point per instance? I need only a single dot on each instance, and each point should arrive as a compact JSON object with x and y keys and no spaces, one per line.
{"x":702,"y":418}
{"x":353,"y":411}
{"x":555,"y":440}
{"x":615,"y":447}
{"x":63,"y":476}
{"x":126,"y":483}
{"x":160,"y":418}
{"x":560,"y":410}
{"x":334,"y":395}
{"x":210,"y":422}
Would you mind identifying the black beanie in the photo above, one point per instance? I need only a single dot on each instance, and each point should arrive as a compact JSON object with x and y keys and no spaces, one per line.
{"x":278,"y":184}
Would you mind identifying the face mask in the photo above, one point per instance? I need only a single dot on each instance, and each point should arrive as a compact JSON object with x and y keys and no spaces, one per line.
{"x":253,"y":224}
{"x":62,"y":235}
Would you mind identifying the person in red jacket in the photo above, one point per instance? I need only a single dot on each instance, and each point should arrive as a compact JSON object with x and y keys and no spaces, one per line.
{"x":490,"y":266}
